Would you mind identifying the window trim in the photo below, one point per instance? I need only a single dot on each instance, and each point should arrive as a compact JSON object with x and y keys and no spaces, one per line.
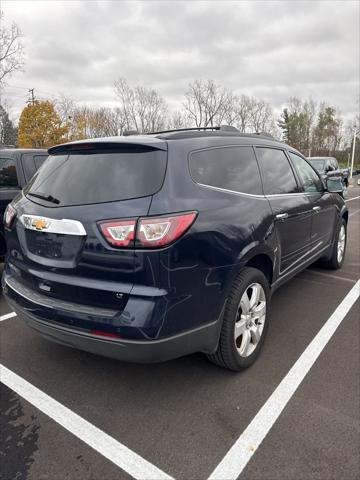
{"x":298,"y":176}
{"x":221,"y":189}
{"x":298,"y":185}
{"x":17,"y":175}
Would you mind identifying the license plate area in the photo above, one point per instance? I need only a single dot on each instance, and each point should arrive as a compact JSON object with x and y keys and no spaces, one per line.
{"x":53,"y":245}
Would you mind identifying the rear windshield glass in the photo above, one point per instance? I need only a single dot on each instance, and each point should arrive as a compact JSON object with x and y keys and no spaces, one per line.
{"x":318,"y":164}
{"x":98,"y":176}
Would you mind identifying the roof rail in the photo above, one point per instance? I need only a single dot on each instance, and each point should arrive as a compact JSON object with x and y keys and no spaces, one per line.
{"x":226,"y":128}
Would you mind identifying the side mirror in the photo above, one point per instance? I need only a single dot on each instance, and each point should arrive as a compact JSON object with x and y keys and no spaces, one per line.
{"x":334,"y":185}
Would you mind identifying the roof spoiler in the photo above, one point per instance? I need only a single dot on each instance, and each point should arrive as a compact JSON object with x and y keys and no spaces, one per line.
{"x":110,"y":143}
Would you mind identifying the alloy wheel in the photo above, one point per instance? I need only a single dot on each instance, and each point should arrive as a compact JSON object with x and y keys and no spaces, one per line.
{"x":341,"y":244}
{"x":250,"y":319}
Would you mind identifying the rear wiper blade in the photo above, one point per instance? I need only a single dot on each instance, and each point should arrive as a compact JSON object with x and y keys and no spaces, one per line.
{"x":48,"y":198}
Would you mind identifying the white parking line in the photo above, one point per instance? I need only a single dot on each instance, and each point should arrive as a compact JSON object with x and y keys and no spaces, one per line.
{"x":328,"y":275}
{"x":353,"y":213}
{"x":7,"y":316}
{"x":351,"y":199}
{"x":116,"y":452}
{"x":244,"y":448}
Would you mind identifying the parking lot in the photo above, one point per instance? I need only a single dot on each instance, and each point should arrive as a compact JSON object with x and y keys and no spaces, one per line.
{"x":179,"y":419}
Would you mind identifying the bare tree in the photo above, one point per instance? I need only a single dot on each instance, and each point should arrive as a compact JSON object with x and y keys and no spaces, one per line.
{"x":178,"y":119}
{"x":11,"y":50}
{"x":91,"y":122}
{"x":206,"y":103}
{"x":65,"y":107}
{"x":261,"y":115}
{"x":142,"y":108}
{"x":239,"y":112}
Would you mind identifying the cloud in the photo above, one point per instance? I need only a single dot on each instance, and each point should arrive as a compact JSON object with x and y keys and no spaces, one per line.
{"x":269,"y":49}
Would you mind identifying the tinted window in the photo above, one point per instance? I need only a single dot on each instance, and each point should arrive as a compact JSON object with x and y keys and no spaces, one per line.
{"x":39,"y":160}
{"x":8,"y":176}
{"x":99,"y":176}
{"x":27,"y":160}
{"x":276,"y":172}
{"x":31,"y":163}
{"x":318,"y":164}
{"x":309,"y":178}
{"x":231,"y":168}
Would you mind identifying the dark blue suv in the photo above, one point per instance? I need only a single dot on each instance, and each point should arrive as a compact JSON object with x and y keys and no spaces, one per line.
{"x":149,"y":247}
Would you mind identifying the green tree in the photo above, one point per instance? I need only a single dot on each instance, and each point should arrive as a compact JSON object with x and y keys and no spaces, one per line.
{"x":40,"y":126}
{"x":327,"y":132}
{"x":8,"y":132}
{"x":296,"y":123}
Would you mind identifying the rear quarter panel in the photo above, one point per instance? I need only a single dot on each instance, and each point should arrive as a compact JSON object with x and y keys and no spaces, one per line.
{"x":198,"y":270}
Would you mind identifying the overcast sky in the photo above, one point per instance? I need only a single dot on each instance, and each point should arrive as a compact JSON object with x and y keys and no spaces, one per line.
{"x":272,"y":50}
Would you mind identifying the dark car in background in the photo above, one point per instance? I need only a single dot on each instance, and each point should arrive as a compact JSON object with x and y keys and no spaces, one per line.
{"x":328,"y":166}
{"x":147,"y":248}
{"x":17,"y":166}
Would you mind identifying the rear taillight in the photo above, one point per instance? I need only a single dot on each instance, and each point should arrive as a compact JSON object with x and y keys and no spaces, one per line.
{"x":9,"y":216}
{"x":161,"y":231}
{"x":147,"y":232}
{"x":119,"y":233}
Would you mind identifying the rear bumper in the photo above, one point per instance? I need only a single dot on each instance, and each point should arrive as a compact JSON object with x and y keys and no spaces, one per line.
{"x":31,"y":307}
{"x":203,"y":339}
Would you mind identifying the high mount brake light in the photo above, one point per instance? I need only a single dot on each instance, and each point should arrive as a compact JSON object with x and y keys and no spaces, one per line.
{"x":150,"y":232}
{"x":119,"y":233}
{"x":9,"y":216}
{"x":161,"y":231}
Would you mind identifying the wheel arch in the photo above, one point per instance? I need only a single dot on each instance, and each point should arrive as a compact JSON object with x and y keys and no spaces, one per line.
{"x":264,"y":263}
{"x":345,"y":215}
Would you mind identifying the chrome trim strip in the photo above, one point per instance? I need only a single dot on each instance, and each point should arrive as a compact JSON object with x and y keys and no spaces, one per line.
{"x":52,"y":225}
{"x":219,"y":189}
{"x":298,"y":194}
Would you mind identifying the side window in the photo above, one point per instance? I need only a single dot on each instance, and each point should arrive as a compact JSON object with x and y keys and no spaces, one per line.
{"x":8,"y":175}
{"x":39,"y":160}
{"x":309,"y":178}
{"x":231,"y":168}
{"x":27,"y":160}
{"x":276,"y":171}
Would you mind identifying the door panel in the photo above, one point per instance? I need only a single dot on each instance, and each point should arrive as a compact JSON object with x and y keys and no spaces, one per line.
{"x":323,"y":223}
{"x":292,"y":211}
{"x":320,"y":201}
{"x":294,"y":230}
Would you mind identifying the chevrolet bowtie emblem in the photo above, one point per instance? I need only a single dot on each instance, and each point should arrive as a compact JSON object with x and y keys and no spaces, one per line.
{"x":39,"y":224}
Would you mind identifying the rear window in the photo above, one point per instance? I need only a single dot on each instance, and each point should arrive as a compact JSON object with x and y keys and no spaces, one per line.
{"x":230,"y":168}
{"x":81,"y":178}
{"x":31,"y":163}
{"x":318,"y":164}
{"x":39,"y":160}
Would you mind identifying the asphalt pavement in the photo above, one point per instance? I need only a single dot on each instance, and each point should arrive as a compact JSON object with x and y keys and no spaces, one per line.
{"x":183,"y":416}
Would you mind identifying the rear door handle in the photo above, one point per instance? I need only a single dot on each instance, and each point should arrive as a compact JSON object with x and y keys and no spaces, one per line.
{"x":316,"y":209}
{"x":282,"y":216}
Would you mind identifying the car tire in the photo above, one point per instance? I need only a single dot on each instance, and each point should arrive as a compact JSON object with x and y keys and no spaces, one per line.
{"x":245,"y":321}
{"x":336,"y":259}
